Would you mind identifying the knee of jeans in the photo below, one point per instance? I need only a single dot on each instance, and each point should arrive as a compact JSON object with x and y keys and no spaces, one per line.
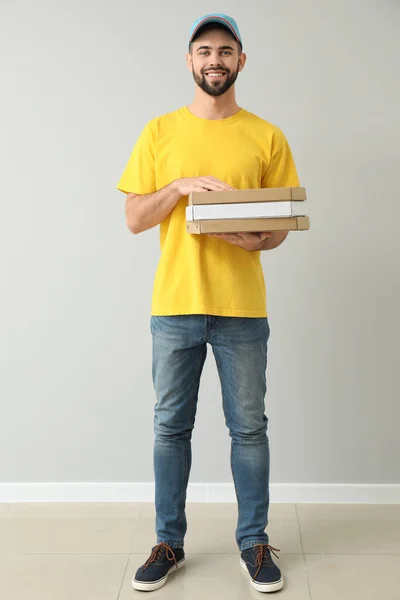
{"x":249,"y":433}
{"x":165,"y":431}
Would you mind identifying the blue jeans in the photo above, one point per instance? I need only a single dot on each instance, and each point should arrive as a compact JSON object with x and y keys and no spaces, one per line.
{"x":179,"y":351}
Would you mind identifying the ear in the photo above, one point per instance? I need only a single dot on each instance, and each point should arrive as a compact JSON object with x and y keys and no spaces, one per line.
{"x":242,"y":61}
{"x":189,"y":61}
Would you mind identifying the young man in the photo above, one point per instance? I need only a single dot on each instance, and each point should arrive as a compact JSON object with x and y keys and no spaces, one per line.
{"x":209,"y":289}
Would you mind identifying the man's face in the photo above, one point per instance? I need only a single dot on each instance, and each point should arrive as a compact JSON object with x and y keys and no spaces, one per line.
{"x":215,"y":62}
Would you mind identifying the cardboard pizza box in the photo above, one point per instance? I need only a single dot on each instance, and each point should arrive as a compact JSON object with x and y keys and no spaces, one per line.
{"x":256,"y":195}
{"x":246,"y":210}
{"x":248,"y":225}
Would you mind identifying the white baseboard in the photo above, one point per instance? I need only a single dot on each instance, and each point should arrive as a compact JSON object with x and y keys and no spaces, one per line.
{"x":198,"y":492}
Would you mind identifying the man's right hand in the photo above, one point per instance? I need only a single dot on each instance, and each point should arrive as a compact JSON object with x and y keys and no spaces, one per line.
{"x":144,"y":211}
{"x":187,"y":185}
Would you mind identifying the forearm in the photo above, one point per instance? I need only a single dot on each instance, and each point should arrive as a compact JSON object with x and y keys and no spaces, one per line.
{"x":148,"y":210}
{"x":274,"y":240}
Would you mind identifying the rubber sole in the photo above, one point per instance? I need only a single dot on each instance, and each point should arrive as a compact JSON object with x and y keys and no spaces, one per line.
{"x":262,"y":587}
{"x":145,"y":586}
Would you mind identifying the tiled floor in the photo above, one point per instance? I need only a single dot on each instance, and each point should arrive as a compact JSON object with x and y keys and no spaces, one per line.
{"x":91,"y":551}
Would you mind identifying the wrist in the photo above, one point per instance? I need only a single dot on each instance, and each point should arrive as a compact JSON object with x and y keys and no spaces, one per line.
{"x":176,"y":188}
{"x":174,"y":185}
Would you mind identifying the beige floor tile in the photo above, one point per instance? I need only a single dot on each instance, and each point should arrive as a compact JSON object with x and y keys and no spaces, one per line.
{"x":350,"y":528}
{"x":61,"y":577}
{"x":211,"y":528}
{"x":218,"y":576}
{"x":71,"y":510}
{"x":84,"y":536}
{"x":351,"y":577}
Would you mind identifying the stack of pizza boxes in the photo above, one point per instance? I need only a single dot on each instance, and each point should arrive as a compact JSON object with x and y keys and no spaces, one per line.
{"x":257,"y":210}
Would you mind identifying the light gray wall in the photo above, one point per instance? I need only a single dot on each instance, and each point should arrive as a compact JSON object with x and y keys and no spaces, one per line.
{"x":78,"y":82}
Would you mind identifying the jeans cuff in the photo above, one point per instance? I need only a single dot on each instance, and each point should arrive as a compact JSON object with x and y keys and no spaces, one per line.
{"x":248,"y":545}
{"x":171,"y":544}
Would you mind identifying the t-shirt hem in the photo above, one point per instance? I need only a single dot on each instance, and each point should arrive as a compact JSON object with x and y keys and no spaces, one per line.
{"x":215,"y":312}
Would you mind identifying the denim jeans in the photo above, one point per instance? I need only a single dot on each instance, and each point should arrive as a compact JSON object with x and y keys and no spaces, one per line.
{"x":179,"y":351}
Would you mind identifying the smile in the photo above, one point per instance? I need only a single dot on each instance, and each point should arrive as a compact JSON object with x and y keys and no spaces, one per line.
{"x":215,"y":74}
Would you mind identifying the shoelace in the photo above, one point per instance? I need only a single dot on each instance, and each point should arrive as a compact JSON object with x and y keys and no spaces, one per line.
{"x":264,"y":557}
{"x":157,"y":552}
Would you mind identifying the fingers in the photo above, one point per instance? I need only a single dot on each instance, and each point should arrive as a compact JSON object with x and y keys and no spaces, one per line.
{"x":209,"y":187}
{"x":261,"y":236}
{"x":199,"y":188}
{"x":228,"y":237}
{"x":265,"y":235}
{"x":216,"y":184}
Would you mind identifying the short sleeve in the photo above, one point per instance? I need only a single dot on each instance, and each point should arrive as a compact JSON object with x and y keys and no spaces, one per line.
{"x":281,"y":171}
{"x":139,"y":176}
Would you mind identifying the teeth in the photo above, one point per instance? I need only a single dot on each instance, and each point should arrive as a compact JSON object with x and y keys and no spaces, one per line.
{"x":215,"y":74}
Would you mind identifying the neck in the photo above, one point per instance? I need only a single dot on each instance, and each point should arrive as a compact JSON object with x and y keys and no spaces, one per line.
{"x":214,"y":107}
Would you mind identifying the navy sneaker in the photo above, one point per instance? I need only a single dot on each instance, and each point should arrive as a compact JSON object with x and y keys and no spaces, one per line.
{"x":153,"y":574}
{"x":264,"y":574}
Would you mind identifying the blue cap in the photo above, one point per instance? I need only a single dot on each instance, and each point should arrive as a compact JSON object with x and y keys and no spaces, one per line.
{"x":228,"y":22}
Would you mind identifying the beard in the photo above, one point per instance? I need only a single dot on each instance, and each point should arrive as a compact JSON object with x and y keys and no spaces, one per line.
{"x":214,"y":87}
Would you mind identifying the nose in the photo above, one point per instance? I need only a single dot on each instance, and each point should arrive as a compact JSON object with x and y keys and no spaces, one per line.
{"x":215,"y":61}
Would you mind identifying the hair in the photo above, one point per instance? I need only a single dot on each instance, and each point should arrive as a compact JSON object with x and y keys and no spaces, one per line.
{"x":212,"y":27}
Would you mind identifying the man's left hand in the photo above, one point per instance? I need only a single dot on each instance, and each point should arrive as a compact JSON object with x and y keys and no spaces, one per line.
{"x":248,"y":241}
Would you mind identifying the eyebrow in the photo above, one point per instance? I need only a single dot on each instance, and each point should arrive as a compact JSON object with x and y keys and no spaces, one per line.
{"x":210,"y":48}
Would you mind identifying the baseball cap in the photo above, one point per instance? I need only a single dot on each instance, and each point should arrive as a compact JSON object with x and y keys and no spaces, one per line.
{"x":225,"y":20}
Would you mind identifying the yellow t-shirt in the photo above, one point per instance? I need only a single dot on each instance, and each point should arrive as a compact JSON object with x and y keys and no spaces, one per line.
{"x":199,"y":274}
